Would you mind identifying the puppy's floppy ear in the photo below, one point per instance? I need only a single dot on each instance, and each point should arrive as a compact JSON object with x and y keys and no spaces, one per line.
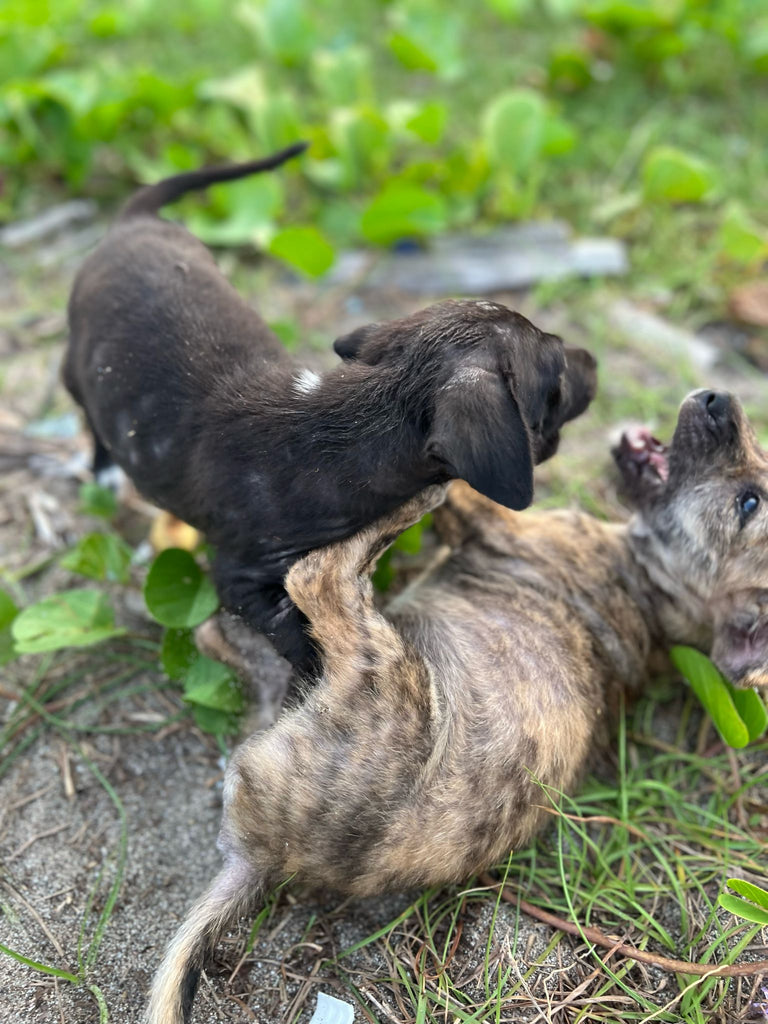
{"x":740,"y":644}
{"x":479,"y":436}
{"x":348,"y":345}
{"x":579,"y":383}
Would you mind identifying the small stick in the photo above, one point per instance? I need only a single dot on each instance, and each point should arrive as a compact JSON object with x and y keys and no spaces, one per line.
{"x":66,"y":772}
{"x":40,"y":835}
{"x":600,"y":939}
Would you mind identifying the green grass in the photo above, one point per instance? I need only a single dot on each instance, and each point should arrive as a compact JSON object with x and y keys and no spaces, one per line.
{"x":94,"y":95}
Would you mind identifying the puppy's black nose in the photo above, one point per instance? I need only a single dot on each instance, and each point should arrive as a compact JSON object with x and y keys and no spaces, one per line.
{"x":717,"y":405}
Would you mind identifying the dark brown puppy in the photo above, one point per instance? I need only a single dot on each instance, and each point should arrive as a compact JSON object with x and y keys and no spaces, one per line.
{"x":413,"y":761}
{"x":187,"y":389}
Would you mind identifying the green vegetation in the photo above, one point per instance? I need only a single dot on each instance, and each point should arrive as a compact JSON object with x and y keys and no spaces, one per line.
{"x":645,"y":119}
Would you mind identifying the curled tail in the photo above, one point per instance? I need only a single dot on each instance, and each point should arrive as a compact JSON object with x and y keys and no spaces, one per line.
{"x":234,"y":891}
{"x":149,"y":199}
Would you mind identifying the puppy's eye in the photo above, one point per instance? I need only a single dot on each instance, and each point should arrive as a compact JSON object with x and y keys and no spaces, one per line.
{"x":746,"y":505}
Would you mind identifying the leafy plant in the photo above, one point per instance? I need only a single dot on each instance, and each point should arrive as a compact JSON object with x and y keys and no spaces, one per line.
{"x":751,"y":904}
{"x":671,"y":175}
{"x":8,"y":612}
{"x":73,"y":618}
{"x":100,"y":556}
{"x":177,"y":592}
{"x":740,"y":716}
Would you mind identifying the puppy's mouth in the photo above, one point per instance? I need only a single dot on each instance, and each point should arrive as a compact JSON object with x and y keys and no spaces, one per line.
{"x":643,"y":462}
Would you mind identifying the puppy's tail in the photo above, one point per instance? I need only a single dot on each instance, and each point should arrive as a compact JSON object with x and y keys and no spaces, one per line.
{"x":234,"y":891}
{"x":149,"y":199}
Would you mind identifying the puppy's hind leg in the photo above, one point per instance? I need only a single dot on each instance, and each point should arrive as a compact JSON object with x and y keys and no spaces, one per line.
{"x":332,"y":587}
{"x":233,"y":892}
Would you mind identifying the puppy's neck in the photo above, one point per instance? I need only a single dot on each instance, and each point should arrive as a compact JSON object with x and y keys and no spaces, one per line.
{"x":681,"y":615}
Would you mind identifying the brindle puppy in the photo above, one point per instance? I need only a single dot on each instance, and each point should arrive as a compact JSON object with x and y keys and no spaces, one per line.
{"x":414,"y":760}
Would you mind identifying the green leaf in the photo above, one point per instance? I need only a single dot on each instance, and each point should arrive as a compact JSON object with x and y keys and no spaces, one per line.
{"x":74,"y":618}
{"x":429,"y":122}
{"x":339,"y":75}
{"x":749,"y":891}
{"x":177,"y":592}
{"x":284,"y":28}
{"x":713,"y":692}
{"x":569,"y":70}
{"x":305,"y":248}
{"x":178,"y":652}
{"x":742,"y":239}
{"x":213,"y":685}
{"x":514,"y":126}
{"x":673,"y":176}
{"x":752,"y":710}
{"x":100,"y":556}
{"x":8,"y":612}
{"x":427,"y":37}
{"x":217,"y":723}
{"x":743,"y":909}
{"x":97,"y":501}
{"x":401,"y":210}
{"x":424,"y":120}
{"x":362,"y":141}
{"x":239,"y":213}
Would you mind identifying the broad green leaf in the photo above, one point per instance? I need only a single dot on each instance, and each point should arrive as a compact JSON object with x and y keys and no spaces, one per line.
{"x":749,"y":891}
{"x":97,"y":501}
{"x":752,"y":709}
{"x":272,"y":114}
{"x":212,"y":721}
{"x":361,"y":138}
{"x":8,"y":612}
{"x":569,"y":70}
{"x":713,"y":692}
{"x":428,"y":37}
{"x":213,"y":685}
{"x":100,"y":556}
{"x":284,"y":28}
{"x":305,"y":248}
{"x":239,"y":213}
{"x":177,"y":592}
{"x":673,"y":176}
{"x":74,"y":618}
{"x":756,"y":45}
{"x":514,"y":127}
{"x":424,"y":120}
{"x":741,"y":908}
{"x":742,"y":239}
{"x":401,"y":210}
{"x":178,"y":652}
{"x":343,"y":75}
{"x":428,"y":123}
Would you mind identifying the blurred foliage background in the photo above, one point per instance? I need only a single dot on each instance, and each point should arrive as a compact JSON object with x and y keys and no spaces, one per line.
{"x":645,"y":119}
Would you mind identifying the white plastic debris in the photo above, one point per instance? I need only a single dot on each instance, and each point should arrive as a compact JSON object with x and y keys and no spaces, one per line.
{"x":332,"y":1011}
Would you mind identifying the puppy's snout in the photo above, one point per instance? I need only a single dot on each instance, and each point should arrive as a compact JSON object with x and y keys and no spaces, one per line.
{"x":717,"y":406}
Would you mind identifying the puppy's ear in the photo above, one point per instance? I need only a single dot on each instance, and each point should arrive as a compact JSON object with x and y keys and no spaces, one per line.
{"x":740,"y":645}
{"x":479,"y":436}
{"x":348,"y":346}
{"x":579,"y":383}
